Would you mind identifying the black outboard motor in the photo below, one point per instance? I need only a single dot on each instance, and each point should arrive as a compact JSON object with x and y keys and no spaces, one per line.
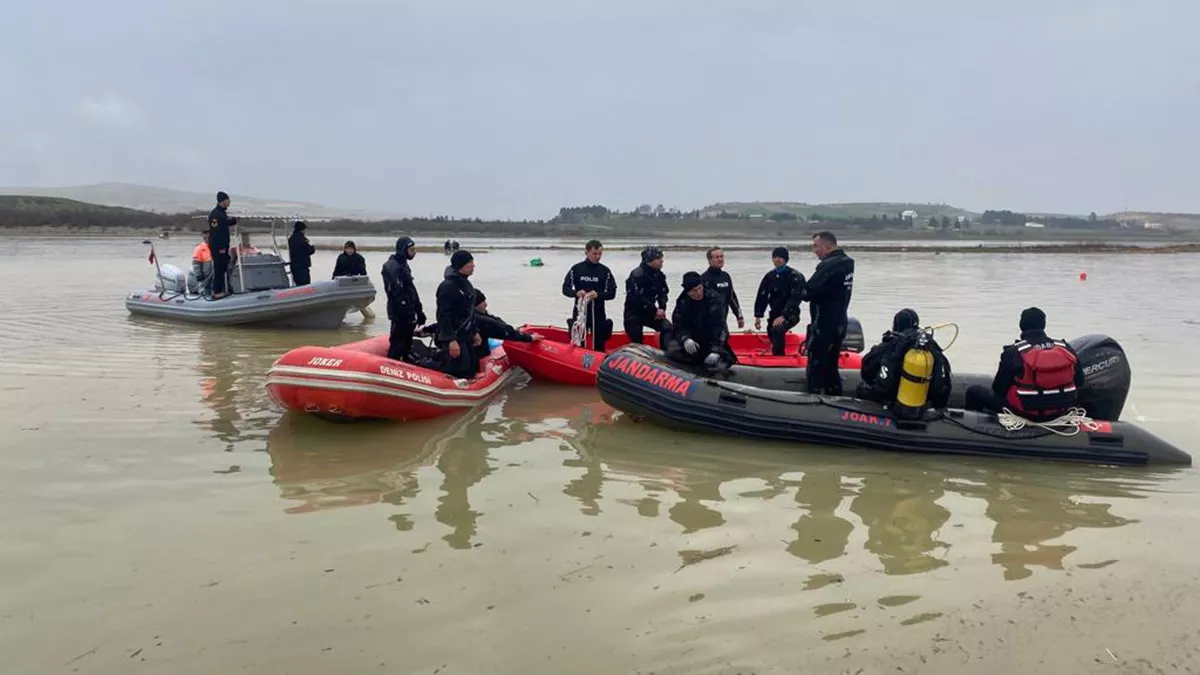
{"x":1107,"y":375}
{"x":854,"y":342}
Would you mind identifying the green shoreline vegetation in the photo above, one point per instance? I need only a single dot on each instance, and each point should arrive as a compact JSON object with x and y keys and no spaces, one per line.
{"x":778,"y":221}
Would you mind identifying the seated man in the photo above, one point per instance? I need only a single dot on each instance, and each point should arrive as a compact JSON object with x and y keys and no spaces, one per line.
{"x":699,"y":333}
{"x":490,"y":325}
{"x":200,"y":278}
{"x":1038,"y":377}
{"x":883,"y":365}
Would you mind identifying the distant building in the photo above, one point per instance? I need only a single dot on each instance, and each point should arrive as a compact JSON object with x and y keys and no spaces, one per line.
{"x":757,"y":215}
{"x":1033,"y":224}
{"x":910,"y":214}
{"x":1154,"y":226}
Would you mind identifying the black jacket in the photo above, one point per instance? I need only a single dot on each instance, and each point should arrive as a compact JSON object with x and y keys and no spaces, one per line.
{"x":720,"y":282}
{"x":701,"y":320}
{"x":492,"y":326}
{"x":403,"y":301}
{"x":455,"y":307}
{"x":299,"y":250}
{"x":589,"y":276}
{"x":219,"y":223}
{"x":782,"y":291}
{"x":350,"y":266}
{"x":882,"y":365}
{"x":645,"y":291}
{"x":1011,"y":367}
{"x":828,"y":292}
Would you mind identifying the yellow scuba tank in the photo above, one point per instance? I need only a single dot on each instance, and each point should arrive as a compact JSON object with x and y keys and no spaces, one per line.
{"x":915,"y":376}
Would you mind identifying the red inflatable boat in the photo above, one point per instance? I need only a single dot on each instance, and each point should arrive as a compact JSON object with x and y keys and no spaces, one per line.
{"x":555,"y":359}
{"x":358,"y":381}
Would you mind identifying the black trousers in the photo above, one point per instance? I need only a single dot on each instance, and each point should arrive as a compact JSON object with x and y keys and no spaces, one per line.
{"x":822,"y":369}
{"x":983,"y":399}
{"x":220,"y":279}
{"x":466,"y":366}
{"x":778,"y":336}
{"x":635,"y":325}
{"x":301,"y":276}
{"x":401,"y":339}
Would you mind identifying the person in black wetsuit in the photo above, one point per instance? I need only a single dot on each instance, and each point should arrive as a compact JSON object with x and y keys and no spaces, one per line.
{"x":718,"y":280}
{"x":699,"y":332}
{"x":781,"y":290}
{"x":403,"y":302}
{"x":300,"y":251}
{"x":828,"y":294}
{"x":589,"y":278}
{"x":883,"y":364}
{"x":458,"y":335}
{"x":646,"y":298}
{"x":490,"y":325}
{"x":1038,"y":377}
{"x":219,"y":222}
{"x":350,"y":262}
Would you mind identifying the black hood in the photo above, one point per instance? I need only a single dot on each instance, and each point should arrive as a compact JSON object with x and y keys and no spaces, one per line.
{"x":402,"y":245}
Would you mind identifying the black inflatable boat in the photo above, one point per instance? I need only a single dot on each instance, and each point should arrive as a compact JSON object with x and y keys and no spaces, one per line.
{"x":754,"y":402}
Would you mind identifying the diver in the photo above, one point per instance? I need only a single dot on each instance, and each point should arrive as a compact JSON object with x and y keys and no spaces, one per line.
{"x":403,"y":302}
{"x":200,"y":277}
{"x":350,"y":262}
{"x":490,"y":325}
{"x":458,"y":334}
{"x":781,"y":290}
{"x":219,"y":222}
{"x":699,"y":333}
{"x":883,"y":366}
{"x":300,"y":251}
{"x":718,"y":280}
{"x":646,"y":298}
{"x":1038,"y":378}
{"x":828,"y":294}
{"x":591,"y":280}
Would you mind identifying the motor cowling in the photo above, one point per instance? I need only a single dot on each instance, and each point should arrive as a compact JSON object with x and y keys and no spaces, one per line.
{"x":854,"y":340}
{"x":170,"y":279}
{"x":1107,"y":375}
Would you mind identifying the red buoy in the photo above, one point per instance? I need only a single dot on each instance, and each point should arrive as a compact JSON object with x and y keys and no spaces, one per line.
{"x":1083,"y":276}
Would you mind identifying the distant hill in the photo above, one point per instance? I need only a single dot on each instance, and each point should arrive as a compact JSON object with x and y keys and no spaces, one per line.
{"x":55,"y":212}
{"x":165,"y":200}
{"x":843,"y":210}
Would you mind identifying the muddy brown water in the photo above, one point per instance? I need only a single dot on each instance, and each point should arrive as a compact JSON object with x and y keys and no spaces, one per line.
{"x":161,"y":515}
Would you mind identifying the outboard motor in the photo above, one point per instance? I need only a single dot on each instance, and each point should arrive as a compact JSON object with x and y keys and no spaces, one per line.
{"x":854,"y":342}
{"x":1107,"y":375}
{"x":170,"y":279}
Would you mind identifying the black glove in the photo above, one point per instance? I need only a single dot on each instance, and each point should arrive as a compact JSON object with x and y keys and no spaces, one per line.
{"x":233,"y":221}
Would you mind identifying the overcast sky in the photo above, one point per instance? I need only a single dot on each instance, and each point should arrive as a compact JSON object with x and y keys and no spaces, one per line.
{"x":516,"y":107}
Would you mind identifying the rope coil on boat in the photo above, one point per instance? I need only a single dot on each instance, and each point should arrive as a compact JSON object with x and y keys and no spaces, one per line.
{"x":1075,"y":420}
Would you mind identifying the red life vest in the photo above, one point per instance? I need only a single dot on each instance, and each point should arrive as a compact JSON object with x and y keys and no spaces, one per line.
{"x":1046,"y":386}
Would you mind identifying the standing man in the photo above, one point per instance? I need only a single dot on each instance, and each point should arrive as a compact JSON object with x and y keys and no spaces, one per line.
{"x":828,"y":295}
{"x":457,"y":333}
{"x":219,"y":223}
{"x":781,"y":290}
{"x":717,"y":280}
{"x":300,"y":251}
{"x":590,"y":280}
{"x":403,"y":302}
{"x":646,"y":298}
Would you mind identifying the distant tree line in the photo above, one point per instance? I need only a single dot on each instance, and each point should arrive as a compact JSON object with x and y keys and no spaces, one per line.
{"x":1092,"y":222}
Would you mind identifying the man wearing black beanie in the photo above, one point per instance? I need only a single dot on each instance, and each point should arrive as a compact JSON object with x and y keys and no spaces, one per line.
{"x":781,"y":290}
{"x":219,"y":223}
{"x":457,"y":333}
{"x":1038,"y":378}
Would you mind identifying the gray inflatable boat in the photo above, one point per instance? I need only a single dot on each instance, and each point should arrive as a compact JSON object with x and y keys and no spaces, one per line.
{"x":262,"y":296}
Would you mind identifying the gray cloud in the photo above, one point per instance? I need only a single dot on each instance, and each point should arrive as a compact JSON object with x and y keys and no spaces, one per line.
{"x":516,"y":108}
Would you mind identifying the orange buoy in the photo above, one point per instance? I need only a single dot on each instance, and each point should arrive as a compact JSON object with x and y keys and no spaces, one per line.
{"x":1083,"y":276}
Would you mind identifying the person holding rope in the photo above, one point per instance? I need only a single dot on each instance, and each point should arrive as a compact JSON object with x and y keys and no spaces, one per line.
{"x":591,"y":283}
{"x":1038,"y":378}
{"x":718,"y":280}
{"x":781,"y":291}
{"x":883,"y":365}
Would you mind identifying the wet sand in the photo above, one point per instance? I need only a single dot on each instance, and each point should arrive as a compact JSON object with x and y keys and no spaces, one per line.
{"x":163,"y":516}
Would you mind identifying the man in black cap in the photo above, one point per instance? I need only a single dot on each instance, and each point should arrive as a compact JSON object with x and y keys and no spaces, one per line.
{"x":828,"y":294}
{"x":1038,"y":377}
{"x":699,"y":333}
{"x":300,"y":251}
{"x":403,"y":302}
{"x":646,"y":295}
{"x":883,"y":364}
{"x":781,"y":290}
{"x":458,"y":335}
{"x":219,"y":222}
